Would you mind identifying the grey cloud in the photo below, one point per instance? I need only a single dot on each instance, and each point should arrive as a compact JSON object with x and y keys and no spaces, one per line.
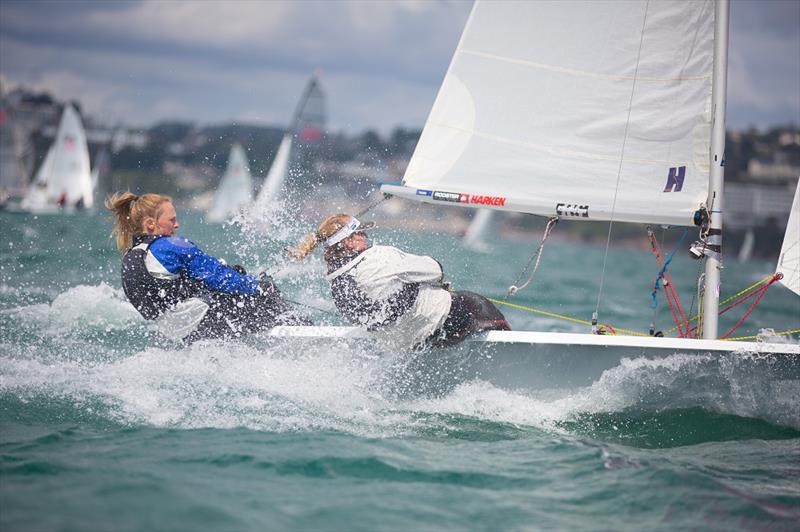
{"x":382,"y":62}
{"x":777,"y":17}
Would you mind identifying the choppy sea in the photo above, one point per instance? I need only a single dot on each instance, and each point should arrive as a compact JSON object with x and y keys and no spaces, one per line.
{"x":105,"y":426}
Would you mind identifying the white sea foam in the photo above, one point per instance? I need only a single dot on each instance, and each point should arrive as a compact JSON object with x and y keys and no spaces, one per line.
{"x":99,"y":306}
{"x":280,"y":387}
{"x":736,"y":384}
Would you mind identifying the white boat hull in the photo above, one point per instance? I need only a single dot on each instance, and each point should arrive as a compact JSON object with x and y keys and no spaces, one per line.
{"x":546,"y":360}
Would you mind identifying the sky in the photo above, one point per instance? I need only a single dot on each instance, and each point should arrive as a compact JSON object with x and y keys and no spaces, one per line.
{"x":139,"y":62}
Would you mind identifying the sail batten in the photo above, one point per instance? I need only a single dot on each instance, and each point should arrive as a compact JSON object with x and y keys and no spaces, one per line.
{"x":547,"y":104}
{"x":584,"y":73}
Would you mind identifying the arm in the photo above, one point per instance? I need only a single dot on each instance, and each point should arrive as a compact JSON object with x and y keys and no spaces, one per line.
{"x":181,"y":256}
{"x":409,"y":268}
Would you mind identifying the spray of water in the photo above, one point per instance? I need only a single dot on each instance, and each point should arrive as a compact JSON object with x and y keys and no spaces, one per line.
{"x":80,"y":347}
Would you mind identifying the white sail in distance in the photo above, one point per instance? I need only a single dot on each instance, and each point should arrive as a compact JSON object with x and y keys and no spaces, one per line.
{"x":36,"y":197}
{"x":235,"y":190}
{"x":789,"y":258}
{"x":581,"y":109}
{"x":478,"y":230}
{"x":276,"y":175}
{"x":101,"y":174}
{"x":64,"y":180}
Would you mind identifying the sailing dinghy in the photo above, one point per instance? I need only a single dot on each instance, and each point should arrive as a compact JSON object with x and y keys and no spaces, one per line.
{"x":235,"y":190}
{"x":63,"y":182}
{"x":591,"y":111}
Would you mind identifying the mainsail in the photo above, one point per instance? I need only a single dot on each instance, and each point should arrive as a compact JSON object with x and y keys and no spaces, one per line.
{"x":789,"y":259}
{"x":235,"y":189}
{"x":582,"y":109}
{"x":64,"y":178}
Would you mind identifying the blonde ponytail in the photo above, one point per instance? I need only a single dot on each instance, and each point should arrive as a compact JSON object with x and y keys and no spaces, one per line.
{"x":130,"y":211}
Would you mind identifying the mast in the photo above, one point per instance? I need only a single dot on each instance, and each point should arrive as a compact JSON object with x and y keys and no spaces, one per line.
{"x":312,"y":86}
{"x":717,"y":175}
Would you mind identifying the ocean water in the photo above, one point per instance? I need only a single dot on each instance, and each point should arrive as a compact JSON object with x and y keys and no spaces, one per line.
{"x":105,"y":426}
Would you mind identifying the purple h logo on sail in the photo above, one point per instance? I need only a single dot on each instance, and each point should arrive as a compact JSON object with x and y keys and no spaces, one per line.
{"x":675,"y":179}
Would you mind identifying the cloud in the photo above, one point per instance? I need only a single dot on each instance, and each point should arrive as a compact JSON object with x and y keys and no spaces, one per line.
{"x":382,"y":61}
{"x":210,"y":61}
{"x":764,"y":63}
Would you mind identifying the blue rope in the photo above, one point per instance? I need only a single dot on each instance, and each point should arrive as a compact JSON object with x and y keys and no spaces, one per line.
{"x":663,"y":269}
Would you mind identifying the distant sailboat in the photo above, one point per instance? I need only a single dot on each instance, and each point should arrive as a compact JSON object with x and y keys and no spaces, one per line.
{"x":477,"y":233}
{"x":235,"y":190}
{"x":746,"y":251}
{"x":63,"y":182}
{"x":306,"y":127}
{"x":101,"y":174}
{"x":276,"y":176}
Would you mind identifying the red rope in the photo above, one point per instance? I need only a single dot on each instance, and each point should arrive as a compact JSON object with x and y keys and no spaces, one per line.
{"x":776,"y":277}
{"x":674,"y":314}
{"x":746,"y":314}
{"x":760,"y":293}
{"x":682,"y":322}
{"x":605,"y":326}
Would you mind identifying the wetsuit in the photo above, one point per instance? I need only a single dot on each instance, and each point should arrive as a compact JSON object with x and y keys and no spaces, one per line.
{"x":192,"y":295}
{"x":400,"y":296}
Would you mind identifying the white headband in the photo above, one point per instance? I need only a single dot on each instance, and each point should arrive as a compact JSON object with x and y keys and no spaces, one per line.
{"x":343,"y":233}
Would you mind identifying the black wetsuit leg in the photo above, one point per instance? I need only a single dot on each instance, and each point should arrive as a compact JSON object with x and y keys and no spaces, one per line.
{"x":231,"y":315}
{"x":469,"y":313}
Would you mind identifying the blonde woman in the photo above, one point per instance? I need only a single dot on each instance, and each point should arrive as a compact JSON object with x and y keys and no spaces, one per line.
{"x":190,"y":295}
{"x":398,"y":294}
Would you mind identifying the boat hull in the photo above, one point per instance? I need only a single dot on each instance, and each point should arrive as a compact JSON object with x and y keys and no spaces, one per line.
{"x":522,"y":360}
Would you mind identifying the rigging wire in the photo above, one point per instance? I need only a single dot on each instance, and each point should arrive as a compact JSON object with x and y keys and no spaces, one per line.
{"x":513,"y":289}
{"x":618,"y":330}
{"x":619,"y":170}
{"x":373,"y":205}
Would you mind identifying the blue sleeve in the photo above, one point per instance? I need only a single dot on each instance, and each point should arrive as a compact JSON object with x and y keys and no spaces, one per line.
{"x":180,"y":256}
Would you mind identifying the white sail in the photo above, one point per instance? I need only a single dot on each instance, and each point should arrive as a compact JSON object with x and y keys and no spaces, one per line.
{"x":746,"y":251}
{"x":789,"y":258}
{"x":584,"y":109}
{"x":101,"y":174}
{"x":64,"y":180}
{"x":235,"y":189}
{"x":276,"y":175}
{"x":478,"y":230}
{"x":36,"y":197}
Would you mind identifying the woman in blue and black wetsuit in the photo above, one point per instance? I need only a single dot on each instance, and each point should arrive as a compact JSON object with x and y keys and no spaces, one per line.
{"x":189,"y":294}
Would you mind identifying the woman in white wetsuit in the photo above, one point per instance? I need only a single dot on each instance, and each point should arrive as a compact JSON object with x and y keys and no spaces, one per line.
{"x":395,"y":294}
